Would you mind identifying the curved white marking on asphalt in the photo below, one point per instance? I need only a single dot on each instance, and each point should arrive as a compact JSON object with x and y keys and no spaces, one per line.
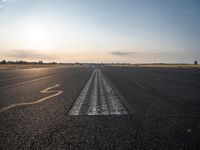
{"x":75,"y":110}
{"x":47,"y":90}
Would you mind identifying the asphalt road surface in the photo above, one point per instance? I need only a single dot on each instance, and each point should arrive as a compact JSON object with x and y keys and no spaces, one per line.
{"x":100,"y":108}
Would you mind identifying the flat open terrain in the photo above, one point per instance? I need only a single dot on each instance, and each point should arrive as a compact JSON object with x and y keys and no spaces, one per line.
{"x":29,"y":66}
{"x":157,"y":65}
{"x":100,"y":108}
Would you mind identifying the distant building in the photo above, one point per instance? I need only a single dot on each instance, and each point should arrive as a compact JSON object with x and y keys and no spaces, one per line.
{"x":195,"y":62}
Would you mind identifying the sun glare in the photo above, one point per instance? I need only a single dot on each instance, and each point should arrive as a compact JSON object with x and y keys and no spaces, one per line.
{"x":37,"y":36}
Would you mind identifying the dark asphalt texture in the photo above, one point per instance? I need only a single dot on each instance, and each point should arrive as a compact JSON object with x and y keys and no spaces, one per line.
{"x":166,"y":105}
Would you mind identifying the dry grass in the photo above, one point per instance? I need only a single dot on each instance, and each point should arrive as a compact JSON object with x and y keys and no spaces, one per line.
{"x":27,"y":66}
{"x":159,"y":65}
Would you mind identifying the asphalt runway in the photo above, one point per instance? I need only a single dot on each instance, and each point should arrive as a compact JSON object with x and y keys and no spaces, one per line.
{"x":98,"y":98}
{"x":100,"y":108}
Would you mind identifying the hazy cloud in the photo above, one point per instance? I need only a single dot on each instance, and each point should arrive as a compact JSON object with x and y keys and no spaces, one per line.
{"x":140,"y":53}
{"x":122,"y":53}
{"x":27,"y":54}
{"x":152,"y":57}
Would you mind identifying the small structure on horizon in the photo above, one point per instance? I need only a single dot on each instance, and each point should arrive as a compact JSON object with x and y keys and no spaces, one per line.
{"x":3,"y":62}
{"x":40,"y":62}
{"x":195,"y":62}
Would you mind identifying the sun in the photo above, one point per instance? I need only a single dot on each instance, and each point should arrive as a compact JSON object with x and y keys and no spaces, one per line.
{"x":37,"y":35}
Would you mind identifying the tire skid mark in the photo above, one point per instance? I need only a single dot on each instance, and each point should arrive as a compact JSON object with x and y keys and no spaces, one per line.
{"x":45,"y":91}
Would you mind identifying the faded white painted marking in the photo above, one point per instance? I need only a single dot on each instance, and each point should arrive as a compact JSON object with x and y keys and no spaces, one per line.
{"x":34,"y":80}
{"x":93,"y":109}
{"x":115,"y":107}
{"x":16,"y":78}
{"x":104,"y":105}
{"x":47,"y":90}
{"x":79,"y":101}
{"x":139,"y":85}
{"x":102,"y":101}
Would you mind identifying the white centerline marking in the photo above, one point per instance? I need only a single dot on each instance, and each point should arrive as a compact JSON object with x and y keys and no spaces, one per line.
{"x":104,"y":100}
{"x":47,"y":90}
{"x":93,"y":110}
{"x":104,"y":105}
{"x":79,"y":101}
{"x":115,"y":107}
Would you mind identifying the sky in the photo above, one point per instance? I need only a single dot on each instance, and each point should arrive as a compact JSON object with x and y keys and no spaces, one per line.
{"x":102,"y":31}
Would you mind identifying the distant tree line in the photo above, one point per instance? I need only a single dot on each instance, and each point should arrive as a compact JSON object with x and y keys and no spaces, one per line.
{"x":25,"y":62}
{"x":39,"y":62}
{"x":77,"y":63}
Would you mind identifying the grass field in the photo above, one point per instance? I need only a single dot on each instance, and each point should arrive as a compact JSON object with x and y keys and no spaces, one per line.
{"x":27,"y":66}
